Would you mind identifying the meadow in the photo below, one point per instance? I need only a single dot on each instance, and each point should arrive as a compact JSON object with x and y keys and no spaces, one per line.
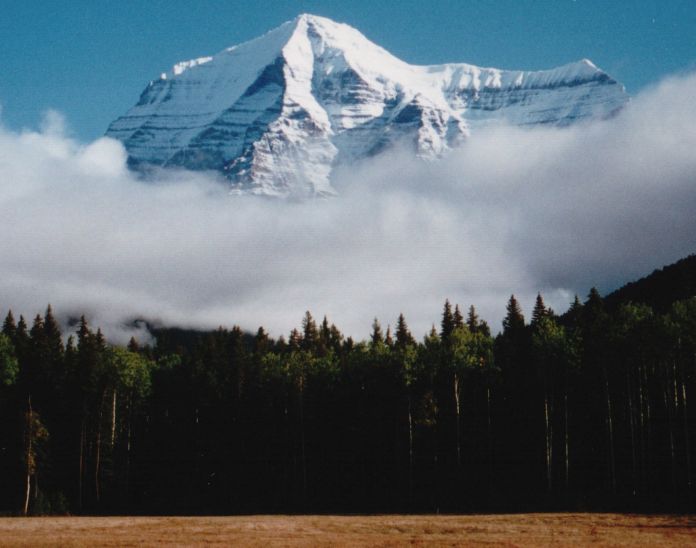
{"x":379,"y":530}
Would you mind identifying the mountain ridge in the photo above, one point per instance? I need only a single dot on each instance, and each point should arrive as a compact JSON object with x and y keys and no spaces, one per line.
{"x":277,"y":113}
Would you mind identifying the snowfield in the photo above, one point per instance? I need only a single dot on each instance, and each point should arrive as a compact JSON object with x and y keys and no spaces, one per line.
{"x":276,"y":115}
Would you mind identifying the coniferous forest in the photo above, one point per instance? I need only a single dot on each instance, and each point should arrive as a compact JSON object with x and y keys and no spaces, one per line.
{"x":588,"y":411}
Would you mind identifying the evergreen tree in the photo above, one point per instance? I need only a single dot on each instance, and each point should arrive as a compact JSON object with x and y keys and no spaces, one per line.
{"x":540,"y":311}
{"x":472,"y":320}
{"x":310,"y":337}
{"x":133,"y":345}
{"x":335,"y":339}
{"x":9,"y":327}
{"x":9,"y":367}
{"x":376,"y":337}
{"x":593,"y":309}
{"x":458,"y":319}
{"x":574,"y":314}
{"x":295,"y":341}
{"x":447,"y":324}
{"x":324,"y":337}
{"x":514,"y":320}
{"x":403,"y":335}
{"x":388,"y":340}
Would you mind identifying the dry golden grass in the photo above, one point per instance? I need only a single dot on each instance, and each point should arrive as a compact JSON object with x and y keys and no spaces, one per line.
{"x":386,"y":530}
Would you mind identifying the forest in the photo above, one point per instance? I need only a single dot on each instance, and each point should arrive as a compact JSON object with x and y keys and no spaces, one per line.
{"x":586,"y":411}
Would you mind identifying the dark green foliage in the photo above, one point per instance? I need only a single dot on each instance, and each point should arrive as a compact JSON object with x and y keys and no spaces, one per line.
{"x":9,"y":366}
{"x":514,"y":320}
{"x":660,"y":289}
{"x":587,"y":412}
{"x":540,"y":311}
{"x":447,"y":324}
{"x":403,"y":335}
{"x":376,"y":338}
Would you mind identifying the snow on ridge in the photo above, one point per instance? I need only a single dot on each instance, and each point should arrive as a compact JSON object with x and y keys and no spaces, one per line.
{"x":275,"y":114}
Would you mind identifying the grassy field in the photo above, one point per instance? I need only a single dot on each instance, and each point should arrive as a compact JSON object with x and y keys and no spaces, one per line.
{"x":387,"y":530}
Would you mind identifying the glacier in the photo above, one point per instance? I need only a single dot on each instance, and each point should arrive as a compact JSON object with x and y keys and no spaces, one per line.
{"x":276,"y":115}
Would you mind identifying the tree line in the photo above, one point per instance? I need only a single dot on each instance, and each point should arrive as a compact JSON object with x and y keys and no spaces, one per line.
{"x":585,"y":411}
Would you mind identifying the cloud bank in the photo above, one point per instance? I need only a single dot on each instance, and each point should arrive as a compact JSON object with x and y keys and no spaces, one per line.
{"x":550,"y":210}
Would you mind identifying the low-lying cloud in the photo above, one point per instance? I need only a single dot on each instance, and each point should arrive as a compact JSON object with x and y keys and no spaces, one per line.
{"x":513,"y":211}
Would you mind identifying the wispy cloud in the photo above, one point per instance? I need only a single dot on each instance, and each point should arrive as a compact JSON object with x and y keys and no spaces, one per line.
{"x":514,"y":210}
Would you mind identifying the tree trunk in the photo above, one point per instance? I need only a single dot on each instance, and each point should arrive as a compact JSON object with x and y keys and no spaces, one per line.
{"x":113,"y":419}
{"x":641,"y":417}
{"x":29,"y":455}
{"x":668,"y":409}
{"x":631,"y":418}
{"x":610,"y":433}
{"x":685,"y":415}
{"x":82,"y":464}
{"x":410,"y":450}
{"x":458,"y":415}
{"x":489,"y":433}
{"x":549,"y":443}
{"x":567,"y":436}
{"x":303,"y":455}
{"x":128,"y":438}
{"x":97,"y":458}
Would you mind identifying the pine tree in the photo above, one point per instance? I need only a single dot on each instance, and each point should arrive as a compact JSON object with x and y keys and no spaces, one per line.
{"x":9,"y":327}
{"x":458,"y":318}
{"x":294,"y":340}
{"x":388,"y":340}
{"x":472,"y":320}
{"x":403,"y":335}
{"x":335,"y":339}
{"x":133,"y":345}
{"x":514,"y":320}
{"x":9,"y":367}
{"x":262,"y":342}
{"x":376,"y":337}
{"x":593,"y":310}
{"x":483,"y":329}
{"x":324,"y":337}
{"x":447,"y":324}
{"x":310,"y":333}
{"x":540,"y":311}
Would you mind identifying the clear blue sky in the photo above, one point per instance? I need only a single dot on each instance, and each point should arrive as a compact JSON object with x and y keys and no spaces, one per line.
{"x":90,"y":59}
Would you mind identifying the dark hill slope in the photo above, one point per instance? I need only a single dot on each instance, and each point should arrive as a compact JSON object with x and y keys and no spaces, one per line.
{"x":660,"y":289}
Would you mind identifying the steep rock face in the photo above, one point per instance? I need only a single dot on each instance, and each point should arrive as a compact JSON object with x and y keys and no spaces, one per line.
{"x":276,"y":114}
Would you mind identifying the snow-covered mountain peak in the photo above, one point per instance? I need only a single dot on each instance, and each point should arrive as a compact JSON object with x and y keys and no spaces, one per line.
{"x":276,"y":114}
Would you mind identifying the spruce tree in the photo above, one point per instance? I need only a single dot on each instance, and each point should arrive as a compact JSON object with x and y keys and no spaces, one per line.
{"x":540,"y":311}
{"x":447,"y":324}
{"x":133,"y":345}
{"x":335,"y":339}
{"x":294,"y":340}
{"x":472,"y":320}
{"x":403,"y":335}
{"x":310,"y":337}
{"x":9,"y":327}
{"x":514,"y":320}
{"x":574,"y":313}
{"x":458,"y":318}
{"x":376,"y":337}
{"x":9,"y":367}
{"x":388,"y":337}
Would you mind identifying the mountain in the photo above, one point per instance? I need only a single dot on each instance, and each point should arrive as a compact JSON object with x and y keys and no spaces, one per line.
{"x":277,"y":113}
{"x":661,"y":289}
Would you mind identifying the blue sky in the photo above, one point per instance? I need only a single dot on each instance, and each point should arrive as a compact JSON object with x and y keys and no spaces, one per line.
{"x":90,"y":59}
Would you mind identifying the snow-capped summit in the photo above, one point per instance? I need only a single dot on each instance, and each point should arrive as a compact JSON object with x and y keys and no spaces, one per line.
{"x":277,"y":113}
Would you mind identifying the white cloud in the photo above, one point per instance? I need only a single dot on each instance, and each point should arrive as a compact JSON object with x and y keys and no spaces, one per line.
{"x":517,"y":211}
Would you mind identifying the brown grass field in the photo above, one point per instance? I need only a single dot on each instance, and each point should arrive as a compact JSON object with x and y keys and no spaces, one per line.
{"x":381,"y":530}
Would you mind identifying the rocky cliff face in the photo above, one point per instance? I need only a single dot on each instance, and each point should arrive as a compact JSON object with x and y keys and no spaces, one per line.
{"x":278,"y":113}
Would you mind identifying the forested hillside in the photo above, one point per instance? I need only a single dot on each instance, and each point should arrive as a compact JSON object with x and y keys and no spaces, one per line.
{"x":592,"y":414}
{"x":660,"y":289}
